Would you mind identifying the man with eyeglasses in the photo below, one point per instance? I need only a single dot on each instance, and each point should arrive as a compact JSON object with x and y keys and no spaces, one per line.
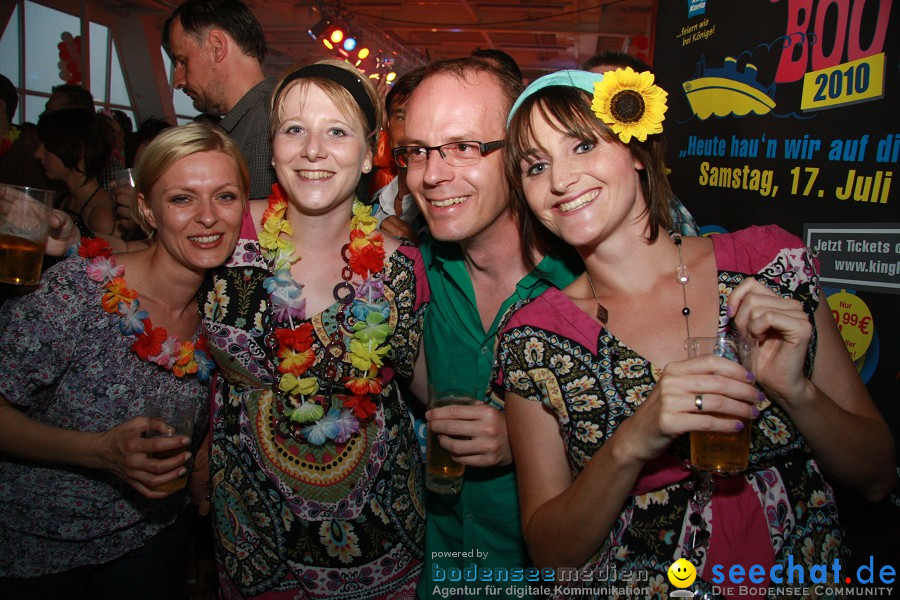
{"x":452,"y":151}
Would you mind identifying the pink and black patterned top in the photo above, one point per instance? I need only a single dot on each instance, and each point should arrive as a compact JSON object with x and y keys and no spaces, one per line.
{"x":552,"y":352}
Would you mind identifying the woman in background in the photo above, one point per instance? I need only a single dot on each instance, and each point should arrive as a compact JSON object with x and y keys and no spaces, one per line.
{"x":75,"y":147}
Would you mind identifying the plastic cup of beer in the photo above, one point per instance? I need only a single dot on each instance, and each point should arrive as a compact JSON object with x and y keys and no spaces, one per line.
{"x":124,"y":193}
{"x":178,"y":413}
{"x":443,"y":475}
{"x":724,"y":453}
{"x":24,"y":214}
{"x":124,"y":178}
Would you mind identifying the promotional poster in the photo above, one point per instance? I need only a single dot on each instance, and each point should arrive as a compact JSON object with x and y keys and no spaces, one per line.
{"x":785,"y":112}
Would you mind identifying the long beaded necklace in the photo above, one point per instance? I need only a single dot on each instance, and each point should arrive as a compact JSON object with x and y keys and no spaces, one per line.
{"x":309,"y":409}
{"x":701,"y":484}
{"x":682,"y":276}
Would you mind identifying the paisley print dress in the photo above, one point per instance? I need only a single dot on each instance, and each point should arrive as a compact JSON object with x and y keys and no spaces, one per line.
{"x":295,"y":520}
{"x":780,"y":508}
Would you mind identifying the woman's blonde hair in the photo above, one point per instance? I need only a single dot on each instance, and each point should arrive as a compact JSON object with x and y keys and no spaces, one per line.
{"x":172,"y":145}
{"x":363,"y":104}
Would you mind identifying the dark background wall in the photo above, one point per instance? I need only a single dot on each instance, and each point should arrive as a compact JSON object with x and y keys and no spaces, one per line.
{"x":801,"y":129}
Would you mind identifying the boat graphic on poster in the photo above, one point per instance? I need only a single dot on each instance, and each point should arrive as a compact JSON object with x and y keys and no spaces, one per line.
{"x":728,"y":90}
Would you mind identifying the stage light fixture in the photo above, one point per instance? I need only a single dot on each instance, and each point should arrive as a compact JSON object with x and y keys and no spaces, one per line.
{"x":336,"y":36}
{"x":350,"y":44}
{"x":363,"y":53}
{"x":319,"y":28}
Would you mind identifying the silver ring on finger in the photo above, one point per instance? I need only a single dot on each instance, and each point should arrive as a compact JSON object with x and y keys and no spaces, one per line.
{"x":698,"y":401}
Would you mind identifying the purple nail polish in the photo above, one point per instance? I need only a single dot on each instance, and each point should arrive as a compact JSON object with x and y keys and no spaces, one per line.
{"x":760,"y":397}
{"x":729,"y":312}
{"x":751,"y":376}
{"x":754,"y":411}
{"x":739,"y":426}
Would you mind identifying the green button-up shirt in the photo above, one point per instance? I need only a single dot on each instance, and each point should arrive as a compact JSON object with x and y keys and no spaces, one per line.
{"x":482,"y":522}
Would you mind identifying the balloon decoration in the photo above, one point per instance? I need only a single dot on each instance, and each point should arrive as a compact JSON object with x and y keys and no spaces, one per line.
{"x":70,"y":58}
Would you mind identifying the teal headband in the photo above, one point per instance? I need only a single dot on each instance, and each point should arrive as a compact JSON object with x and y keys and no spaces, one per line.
{"x":583,"y":80}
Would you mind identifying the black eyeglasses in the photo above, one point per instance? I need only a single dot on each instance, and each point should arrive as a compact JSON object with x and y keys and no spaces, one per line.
{"x":456,"y":154}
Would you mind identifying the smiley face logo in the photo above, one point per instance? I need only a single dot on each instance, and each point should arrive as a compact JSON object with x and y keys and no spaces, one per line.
{"x":682,"y":573}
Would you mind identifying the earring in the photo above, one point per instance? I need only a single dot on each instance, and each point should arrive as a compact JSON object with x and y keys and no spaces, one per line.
{"x":273,"y":163}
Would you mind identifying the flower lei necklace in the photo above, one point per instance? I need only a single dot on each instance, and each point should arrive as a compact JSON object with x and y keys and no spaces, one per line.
{"x":9,"y":139}
{"x":304,"y":412}
{"x":630,"y":103}
{"x":153,"y":344}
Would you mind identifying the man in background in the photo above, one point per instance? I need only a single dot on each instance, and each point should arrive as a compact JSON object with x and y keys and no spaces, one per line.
{"x":218,"y":48}
{"x":499,"y":59}
{"x":396,"y":210}
{"x":68,"y":95}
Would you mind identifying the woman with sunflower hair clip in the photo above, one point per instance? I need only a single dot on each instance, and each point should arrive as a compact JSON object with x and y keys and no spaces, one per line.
{"x":315,"y":468}
{"x":599,"y":371}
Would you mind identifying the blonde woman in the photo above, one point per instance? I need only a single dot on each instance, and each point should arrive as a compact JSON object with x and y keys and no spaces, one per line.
{"x":83,"y":516}
{"x":315,"y":468}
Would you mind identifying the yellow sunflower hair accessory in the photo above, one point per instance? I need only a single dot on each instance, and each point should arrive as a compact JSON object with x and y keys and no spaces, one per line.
{"x":630,"y":104}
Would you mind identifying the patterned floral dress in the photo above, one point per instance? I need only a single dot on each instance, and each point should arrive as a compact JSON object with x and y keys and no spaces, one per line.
{"x":551,"y":352}
{"x":295,"y":520}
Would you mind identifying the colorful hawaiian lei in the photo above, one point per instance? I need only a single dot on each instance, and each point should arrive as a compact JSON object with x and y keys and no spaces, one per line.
{"x":630,"y":103}
{"x":9,"y":139}
{"x":153,"y":344}
{"x":364,"y":309}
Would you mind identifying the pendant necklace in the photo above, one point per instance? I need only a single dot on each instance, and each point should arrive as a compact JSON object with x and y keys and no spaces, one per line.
{"x":681,"y":276}
{"x":602,"y":313}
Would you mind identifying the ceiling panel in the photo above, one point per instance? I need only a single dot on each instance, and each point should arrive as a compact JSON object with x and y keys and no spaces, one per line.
{"x":542,"y":36}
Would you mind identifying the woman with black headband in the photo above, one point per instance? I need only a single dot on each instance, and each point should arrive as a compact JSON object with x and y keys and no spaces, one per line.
{"x":315,"y":468}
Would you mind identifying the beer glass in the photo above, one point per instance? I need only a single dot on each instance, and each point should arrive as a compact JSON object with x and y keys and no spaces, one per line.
{"x":177,"y":413}
{"x":124,"y":193}
{"x":24,"y":213}
{"x":444,"y":475}
{"x":725,"y":453}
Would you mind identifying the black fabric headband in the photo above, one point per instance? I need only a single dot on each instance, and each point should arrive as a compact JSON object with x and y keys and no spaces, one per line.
{"x":343,"y":78}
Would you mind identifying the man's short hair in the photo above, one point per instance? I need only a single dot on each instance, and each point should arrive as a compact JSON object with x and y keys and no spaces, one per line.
{"x":149,"y":129}
{"x":10,"y":97}
{"x":504,"y":60}
{"x":73,"y":96}
{"x":615,"y":59}
{"x":403,"y":88}
{"x":463,"y":66}
{"x":197,"y":17}
{"x":123,"y":120}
